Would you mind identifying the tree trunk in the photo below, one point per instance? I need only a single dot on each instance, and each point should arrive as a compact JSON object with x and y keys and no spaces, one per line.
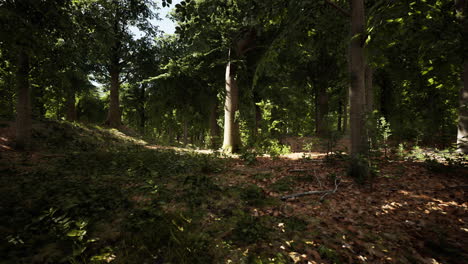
{"x":322,"y":110}
{"x":258,"y":120}
{"x":369,"y":90}
{"x":214,"y":128}
{"x":231,"y":142}
{"x":345,"y":113}
{"x":340,"y":115}
{"x":113,"y":117}
{"x":370,"y":106}
{"x":71,"y":102}
{"x":185,"y":132}
{"x":357,"y":91}
{"x":462,"y":135}
{"x":141,"y":109}
{"x":23,"y":107}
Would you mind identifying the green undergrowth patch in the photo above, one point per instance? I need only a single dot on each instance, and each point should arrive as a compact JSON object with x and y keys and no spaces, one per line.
{"x":251,"y":229}
{"x":131,"y":205}
{"x":125,"y":203}
{"x":261,"y":176}
{"x":100,"y":206}
{"x":66,"y":136}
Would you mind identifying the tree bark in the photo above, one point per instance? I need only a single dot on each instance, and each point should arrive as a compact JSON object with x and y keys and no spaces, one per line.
{"x":357,"y":91}
{"x":370,"y":105}
{"x":231,"y":141}
{"x":214,"y":128}
{"x":23,"y":107}
{"x":369,"y":89}
{"x":258,"y":120}
{"x":71,"y":102}
{"x":340,"y":116}
{"x":114,"y":117}
{"x":345,"y":113}
{"x":322,"y":110}
{"x":141,"y":109}
{"x":185,"y":139}
{"x":462,"y":134}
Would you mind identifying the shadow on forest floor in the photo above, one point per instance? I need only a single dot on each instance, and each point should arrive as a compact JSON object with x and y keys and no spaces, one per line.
{"x":109,"y":199}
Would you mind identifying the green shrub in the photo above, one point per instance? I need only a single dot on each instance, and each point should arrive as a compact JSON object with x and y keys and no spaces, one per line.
{"x":250,"y":229}
{"x":253,"y":195}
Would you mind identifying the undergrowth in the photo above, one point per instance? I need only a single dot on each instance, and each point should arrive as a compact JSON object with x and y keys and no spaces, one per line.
{"x":105,"y":198}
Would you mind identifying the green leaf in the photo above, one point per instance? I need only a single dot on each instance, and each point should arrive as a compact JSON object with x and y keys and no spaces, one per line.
{"x":76,"y":233}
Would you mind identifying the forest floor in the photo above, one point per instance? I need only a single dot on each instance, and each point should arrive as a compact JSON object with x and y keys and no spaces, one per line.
{"x":93,"y":195}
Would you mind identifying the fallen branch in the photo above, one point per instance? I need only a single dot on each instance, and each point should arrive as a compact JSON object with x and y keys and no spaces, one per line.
{"x":325,"y":192}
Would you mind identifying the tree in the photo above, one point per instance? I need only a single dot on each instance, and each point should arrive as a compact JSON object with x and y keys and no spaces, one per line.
{"x":113,"y":36}
{"x":241,"y":45}
{"x":462,"y":135}
{"x":29,"y":31}
{"x":357,"y":90}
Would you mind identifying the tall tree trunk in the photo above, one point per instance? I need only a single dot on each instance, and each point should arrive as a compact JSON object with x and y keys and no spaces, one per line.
{"x":258,"y":120}
{"x":322,"y":110}
{"x":357,"y":91}
{"x":370,"y":105}
{"x":462,"y":135}
{"x":214,"y":128}
{"x":345,"y":113}
{"x":113,"y":117}
{"x":369,"y":89}
{"x":231,"y":142}
{"x":71,"y":102}
{"x":23,"y":107}
{"x":141,"y":109}
{"x":340,"y":115}
{"x":185,"y":139}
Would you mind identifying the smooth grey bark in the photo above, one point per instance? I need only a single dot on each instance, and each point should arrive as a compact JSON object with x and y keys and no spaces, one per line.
{"x":23,"y":106}
{"x":462,"y":133}
{"x":357,"y":93}
{"x":231,"y":142}
{"x":243,"y":43}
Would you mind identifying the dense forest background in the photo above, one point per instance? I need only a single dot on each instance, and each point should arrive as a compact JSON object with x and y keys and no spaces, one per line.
{"x":122,"y":144}
{"x":288,"y":69}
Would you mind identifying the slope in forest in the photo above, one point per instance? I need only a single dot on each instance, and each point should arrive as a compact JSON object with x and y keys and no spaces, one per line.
{"x":93,"y":195}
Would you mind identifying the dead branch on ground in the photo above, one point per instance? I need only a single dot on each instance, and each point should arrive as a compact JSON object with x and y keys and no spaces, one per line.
{"x":324,"y":192}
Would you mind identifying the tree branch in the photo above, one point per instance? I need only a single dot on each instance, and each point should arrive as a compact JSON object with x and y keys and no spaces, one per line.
{"x":337,"y":7}
{"x":325,"y":193}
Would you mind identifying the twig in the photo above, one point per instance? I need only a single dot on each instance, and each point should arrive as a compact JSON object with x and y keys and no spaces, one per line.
{"x":336,"y":188}
{"x":317,"y":178}
{"x":325,"y":193}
